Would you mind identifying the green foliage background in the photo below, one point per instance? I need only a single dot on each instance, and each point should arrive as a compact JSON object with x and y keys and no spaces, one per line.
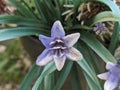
{"x":39,"y":20}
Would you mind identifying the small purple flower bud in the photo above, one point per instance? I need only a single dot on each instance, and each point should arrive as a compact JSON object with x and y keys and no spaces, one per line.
{"x":58,"y":47}
{"x":112,"y":77}
{"x":100,"y":28}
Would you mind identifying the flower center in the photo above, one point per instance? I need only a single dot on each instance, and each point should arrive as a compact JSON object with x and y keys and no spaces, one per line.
{"x":58,"y":47}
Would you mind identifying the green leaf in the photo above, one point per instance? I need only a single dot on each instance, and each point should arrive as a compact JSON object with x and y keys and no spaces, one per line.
{"x":105,"y":16}
{"x":97,"y":47}
{"x":113,"y":15}
{"x":85,"y":66}
{"x":91,"y":75}
{"x":41,"y":87}
{"x":89,"y":56}
{"x":39,"y":8}
{"x":90,"y":66}
{"x":31,"y":75}
{"x":47,"y":10}
{"x":92,"y":85}
{"x":46,"y":71}
{"x":49,"y":82}
{"x":52,"y":9}
{"x":115,"y":38}
{"x":77,"y":4}
{"x":19,"y":20}
{"x":30,"y":5}
{"x":3,"y":63}
{"x":22,"y":8}
{"x":63,"y":75}
{"x":10,"y":33}
{"x":115,"y":9}
{"x":76,"y":78}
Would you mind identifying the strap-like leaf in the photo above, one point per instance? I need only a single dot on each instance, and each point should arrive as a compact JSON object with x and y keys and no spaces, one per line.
{"x":111,"y":5}
{"x":76,"y":78}
{"x":90,"y":73}
{"x":115,"y":38}
{"x":105,"y":16}
{"x":97,"y":47}
{"x":10,"y":33}
{"x":49,"y":82}
{"x":63,"y":75}
{"x":46,"y":71}
{"x":30,"y":77}
{"x":19,"y":20}
{"x":22,"y":8}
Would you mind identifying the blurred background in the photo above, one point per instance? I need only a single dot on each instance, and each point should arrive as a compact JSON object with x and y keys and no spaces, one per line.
{"x":14,"y":64}
{"x":14,"y":60}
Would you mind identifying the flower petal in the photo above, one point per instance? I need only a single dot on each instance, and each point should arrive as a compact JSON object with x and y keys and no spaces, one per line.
{"x":71,"y":39}
{"x":104,"y":76}
{"x":59,"y":61}
{"x":45,"y":40}
{"x":57,"y":30}
{"x":109,"y":65}
{"x":44,"y":58}
{"x":111,"y":83}
{"x":74,"y":54}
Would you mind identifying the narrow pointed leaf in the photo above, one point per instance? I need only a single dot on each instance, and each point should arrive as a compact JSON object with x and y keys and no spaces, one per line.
{"x":21,"y":8}
{"x":111,"y":5}
{"x":49,"y":82}
{"x":91,"y":74}
{"x":63,"y":75}
{"x":97,"y":47}
{"x":105,"y":16}
{"x":115,"y":38}
{"x":19,"y":20}
{"x":39,"y":9}
{"x":92,"y":85}
{"x":10,"y":33}
{"x":46,"y":71}
{"x":26,"y":84}
{"x":76,"y":79}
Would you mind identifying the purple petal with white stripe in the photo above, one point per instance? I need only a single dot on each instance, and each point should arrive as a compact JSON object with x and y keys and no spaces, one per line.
{"x":111,"y":83}
{"x":59,"y":62}
{"x":74,"y":54}
{"x":71,"y":39}
{"x":45,"y":40}
{"x":44,"y":58}
{"x":57,"y":30}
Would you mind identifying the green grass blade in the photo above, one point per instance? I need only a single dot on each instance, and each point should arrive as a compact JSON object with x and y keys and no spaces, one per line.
{"x":91,"y":74}
{"x":21,"y":8}
{"x":49,"y":82}
{"x":75,"y":78}
{"x":92,"y":85}
{"x":89,"y":56}
{"x":97,"y":47}
{"x":111,"y":5}
{"x":19,"y":20}
{"x":41,"y":87}
{"x":29,"y":4}
{"x":85,"y":66}
{"x":47,"y":10}
{"x":40,"y":9}
{"x":63,"y":75}
{"x":115,"y":38}
{"x":46,"y":71}
{"x":105,"y":16}
{"x":31,"y":75}
{"x":10,"y":33}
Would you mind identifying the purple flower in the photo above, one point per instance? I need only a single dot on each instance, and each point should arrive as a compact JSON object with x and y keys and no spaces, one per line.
{"x":58,"y":47}
{"x":112,"y":77}
{"x":100,"y":28}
